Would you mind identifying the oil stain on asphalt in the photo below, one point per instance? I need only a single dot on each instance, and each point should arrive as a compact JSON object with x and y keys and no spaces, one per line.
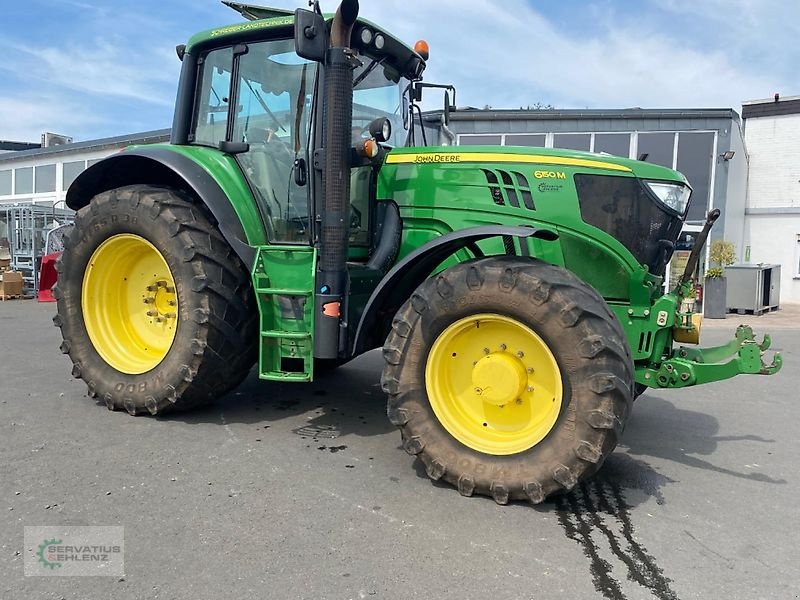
{"x":597,"y":510}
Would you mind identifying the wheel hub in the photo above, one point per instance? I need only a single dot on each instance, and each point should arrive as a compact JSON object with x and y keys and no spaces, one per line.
{"x":494,"y":384}
{"x":499,"y":378}
{"x":129,"y":303}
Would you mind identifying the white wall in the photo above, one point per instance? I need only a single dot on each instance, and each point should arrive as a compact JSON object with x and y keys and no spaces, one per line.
{"x":772,"y":222}
{"x":774,"y":147}
{"x":773,"y":239}
{"x":48,"y":159}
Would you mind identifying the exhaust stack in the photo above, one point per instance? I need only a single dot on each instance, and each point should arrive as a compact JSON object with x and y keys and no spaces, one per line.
{"x":335,"y":214}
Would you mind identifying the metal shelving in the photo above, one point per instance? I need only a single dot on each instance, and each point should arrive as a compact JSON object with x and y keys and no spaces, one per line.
{"x":28,"y":225}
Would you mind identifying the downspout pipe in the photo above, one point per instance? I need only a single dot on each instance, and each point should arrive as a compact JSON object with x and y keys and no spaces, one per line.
{"x":332,"y":278}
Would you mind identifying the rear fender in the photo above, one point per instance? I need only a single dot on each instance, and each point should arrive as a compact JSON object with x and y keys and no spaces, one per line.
{"x":230,"y":202}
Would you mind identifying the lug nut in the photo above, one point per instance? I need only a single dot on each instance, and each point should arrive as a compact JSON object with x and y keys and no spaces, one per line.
{"x":503,"y":347}
{"x":530,"y":388}
{"x":530,"y":370}
{"x":519,"y":400}
{"x":520,"y":354}
{"x":486,"y":351}
{"x":170,"y":315}
{"x":152,"y":313}
{"x":172,"y":303}
{"x":148,"y":300}
{"x":169,"y":288}
{"x":159,"y":319}
{"x":152,"y":288}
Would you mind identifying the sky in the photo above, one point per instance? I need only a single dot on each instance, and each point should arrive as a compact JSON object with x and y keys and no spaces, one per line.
{"x":97,"y":68}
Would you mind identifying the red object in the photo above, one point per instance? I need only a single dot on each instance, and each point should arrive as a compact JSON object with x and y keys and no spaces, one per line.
{"x":332,"y":309}
{"x":48,"y":277}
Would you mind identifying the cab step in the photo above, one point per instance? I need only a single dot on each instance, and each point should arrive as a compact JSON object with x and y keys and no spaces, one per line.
{"x":283,"y":278}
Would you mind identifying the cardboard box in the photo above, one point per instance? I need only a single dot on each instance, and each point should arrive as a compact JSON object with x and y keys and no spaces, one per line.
{"x":11,"y":284}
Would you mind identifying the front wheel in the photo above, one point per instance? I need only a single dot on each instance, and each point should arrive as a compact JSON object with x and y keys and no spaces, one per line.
{"x":508,"y":377}
{"x":156,"y":311}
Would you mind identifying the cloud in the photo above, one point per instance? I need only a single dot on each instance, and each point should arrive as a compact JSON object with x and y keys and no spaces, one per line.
{"x":25,"y":117}
{"x":102,"y":71}
{"x":510,"y":54}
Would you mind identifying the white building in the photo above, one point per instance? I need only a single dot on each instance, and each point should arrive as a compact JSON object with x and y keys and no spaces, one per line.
{"x":43,"y":175}
{"x":772,"y":213}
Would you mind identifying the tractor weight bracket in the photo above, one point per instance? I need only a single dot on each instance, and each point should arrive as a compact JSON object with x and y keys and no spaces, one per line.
{"x":694,"y":366}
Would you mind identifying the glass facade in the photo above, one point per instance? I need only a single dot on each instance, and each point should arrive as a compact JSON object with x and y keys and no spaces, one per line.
{"x":23,"y":180}
{"x":480,"y":140}
{"x":695,"y":157}
{"x":657,"y":148}
{"x":618,"y":144}
{"x":71,"y":172}
{"x":45,"y":179}
{"x":534,"y":140}
{"x":573,"y":141}
{"x":5,"y":182}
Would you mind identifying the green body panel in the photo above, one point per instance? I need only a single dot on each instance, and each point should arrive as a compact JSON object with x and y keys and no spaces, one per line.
{"x":226,"y":172}
{"x":435,"y":198}
{"x":444,"y":189}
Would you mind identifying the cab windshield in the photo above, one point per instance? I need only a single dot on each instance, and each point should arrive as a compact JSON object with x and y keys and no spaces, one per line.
{"x":378,"y":92}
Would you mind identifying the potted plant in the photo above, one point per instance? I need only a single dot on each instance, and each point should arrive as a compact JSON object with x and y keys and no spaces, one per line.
{"x":688,"y":300}
{"x":721,"y":255}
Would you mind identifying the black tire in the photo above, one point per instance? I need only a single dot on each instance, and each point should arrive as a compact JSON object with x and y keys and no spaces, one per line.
{"x":638,"y":390}
{"x":215,"y":342}
{"x":586,"y":339}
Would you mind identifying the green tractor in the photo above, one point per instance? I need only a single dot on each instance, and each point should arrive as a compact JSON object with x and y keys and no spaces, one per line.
{"x":517,"y":293}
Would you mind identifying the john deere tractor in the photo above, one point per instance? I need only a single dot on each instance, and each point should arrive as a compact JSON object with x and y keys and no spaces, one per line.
{"x":517,"y":293}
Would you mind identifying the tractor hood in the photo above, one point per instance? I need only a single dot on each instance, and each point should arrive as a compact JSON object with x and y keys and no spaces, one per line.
{"x":554,"y":157}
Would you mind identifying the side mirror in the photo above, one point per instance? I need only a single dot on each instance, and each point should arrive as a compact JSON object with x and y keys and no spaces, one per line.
{"x":310,"y":35}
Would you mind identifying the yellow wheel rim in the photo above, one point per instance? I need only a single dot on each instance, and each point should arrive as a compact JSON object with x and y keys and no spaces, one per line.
{"x":494,"y":384}
{"x":129,"y":304}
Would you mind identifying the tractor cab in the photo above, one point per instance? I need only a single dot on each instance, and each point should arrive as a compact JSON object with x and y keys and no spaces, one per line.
{"x":257,"y":100}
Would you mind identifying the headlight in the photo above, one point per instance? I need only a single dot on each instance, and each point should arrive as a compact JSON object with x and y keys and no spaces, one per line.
{"x":675,"y":196}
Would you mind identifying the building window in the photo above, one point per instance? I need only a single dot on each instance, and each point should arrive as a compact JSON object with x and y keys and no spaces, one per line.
{"x":618,"y":144}
{"x":480,"y":140}
{"x":532,"y":140}
{"x":93,"y":161}
{"x":572,"y":141}
{"x":5,"y":182}
{"x":45,"y":179}
{"x":695,"y":157}
{"x":23,"y":181}
{"x":71,"y":172}
{"x":657,"y":148}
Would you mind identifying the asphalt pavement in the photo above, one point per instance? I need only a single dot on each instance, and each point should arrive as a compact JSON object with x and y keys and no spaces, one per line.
{"x":302,"y":491}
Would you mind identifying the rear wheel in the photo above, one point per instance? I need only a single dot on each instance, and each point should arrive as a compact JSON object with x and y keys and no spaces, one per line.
{"x":508,"y":377}
{"x":156,"y":311}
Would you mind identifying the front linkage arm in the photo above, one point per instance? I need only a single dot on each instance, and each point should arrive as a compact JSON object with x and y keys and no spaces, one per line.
{"x":694,"y":366}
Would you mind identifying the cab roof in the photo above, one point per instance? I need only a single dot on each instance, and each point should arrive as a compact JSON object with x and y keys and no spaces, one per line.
{"x":406,"y":60}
